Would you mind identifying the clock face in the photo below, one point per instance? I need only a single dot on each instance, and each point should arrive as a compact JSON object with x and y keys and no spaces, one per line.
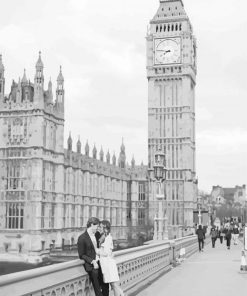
{"x":167,"y":51}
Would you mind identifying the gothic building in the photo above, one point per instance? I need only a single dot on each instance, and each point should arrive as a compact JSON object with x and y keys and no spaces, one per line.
{"x":171,"y":73}
{"x":47,"y":193}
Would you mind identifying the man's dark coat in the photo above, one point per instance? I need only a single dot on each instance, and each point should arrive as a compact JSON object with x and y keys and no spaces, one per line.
{"x":86,"y":250}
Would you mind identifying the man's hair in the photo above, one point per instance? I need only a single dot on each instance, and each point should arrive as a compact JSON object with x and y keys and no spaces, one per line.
{"x":92,"y":221}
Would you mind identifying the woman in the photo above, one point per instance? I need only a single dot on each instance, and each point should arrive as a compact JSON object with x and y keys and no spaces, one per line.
{"x":108,"y":264}
{"x":213,"y":234}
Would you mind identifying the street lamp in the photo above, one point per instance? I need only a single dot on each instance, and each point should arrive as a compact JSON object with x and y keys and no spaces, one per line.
{"x":199,"y":203}
{"x":160,"y":230}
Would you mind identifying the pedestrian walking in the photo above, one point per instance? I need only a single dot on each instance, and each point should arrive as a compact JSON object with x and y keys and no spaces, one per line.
{"x":235,"y":234}
{"x":221,"y":234}
{"x":213,"y":234}
{"x":200,"y":235}
{"x":228,"y":237}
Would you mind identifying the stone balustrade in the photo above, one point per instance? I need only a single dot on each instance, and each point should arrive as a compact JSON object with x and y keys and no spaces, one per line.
{"x":137,"y":266}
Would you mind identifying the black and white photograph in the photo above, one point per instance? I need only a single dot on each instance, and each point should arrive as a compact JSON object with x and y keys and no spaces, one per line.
{"x":123,"y":147}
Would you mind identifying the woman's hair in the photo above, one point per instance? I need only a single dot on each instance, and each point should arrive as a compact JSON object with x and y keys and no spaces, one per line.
{"x":106,"y":224}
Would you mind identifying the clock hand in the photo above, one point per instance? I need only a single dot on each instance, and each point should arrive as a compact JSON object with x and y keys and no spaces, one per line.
{"x":167,"y":51}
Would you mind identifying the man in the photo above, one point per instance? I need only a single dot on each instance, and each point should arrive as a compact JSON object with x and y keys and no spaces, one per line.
{"x":87,"y":248}
{"x":200,"y":234}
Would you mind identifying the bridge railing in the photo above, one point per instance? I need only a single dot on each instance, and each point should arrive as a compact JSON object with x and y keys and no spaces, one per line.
{"x":136,"y":266}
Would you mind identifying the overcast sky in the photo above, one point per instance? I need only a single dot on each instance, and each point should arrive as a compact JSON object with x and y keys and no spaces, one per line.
{"x":101,"y":47}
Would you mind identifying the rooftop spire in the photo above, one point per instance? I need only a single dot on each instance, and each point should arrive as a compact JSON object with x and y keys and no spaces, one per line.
{"x":122,"y":146}
{"x":78,"y":145}
{"x":133,"y":162}
{"x":87,"y":149}
{"x":101,"y":154}
{"x":94,"y":152}
{"x":39,"y":63}
{"x":24,"y":78}
{"x":69,"y":142}
{"x":1,"y":63}
{"x":60,"y":76}
{"x":50,"y":85}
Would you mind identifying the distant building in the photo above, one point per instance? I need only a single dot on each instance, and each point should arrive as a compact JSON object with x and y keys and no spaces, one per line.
{"x":217,"y":196}
{"x":231,"y":196}
{"x":47,"y":193}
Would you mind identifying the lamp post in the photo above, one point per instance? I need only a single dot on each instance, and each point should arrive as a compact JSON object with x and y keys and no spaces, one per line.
{"x":160,"y":230}
{"x":199,"y":211}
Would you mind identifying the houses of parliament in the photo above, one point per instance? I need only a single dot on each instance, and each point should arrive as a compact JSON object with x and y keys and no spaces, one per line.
{"x":48,"y":192}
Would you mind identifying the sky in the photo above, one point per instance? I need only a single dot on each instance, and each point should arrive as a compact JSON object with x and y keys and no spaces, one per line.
{"x":102,"y":49}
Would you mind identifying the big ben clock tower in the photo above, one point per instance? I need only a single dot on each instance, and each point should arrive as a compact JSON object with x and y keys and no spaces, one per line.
{"x":171,"y":73}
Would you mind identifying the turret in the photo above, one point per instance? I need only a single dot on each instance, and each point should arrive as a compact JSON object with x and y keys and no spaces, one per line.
{"x":133,"y":162}
{"x":108,"y":157}
{"x":19,"y":92}
{"x":2,"y":79}
{"x":122,"y":157}
{"x":24,"y":80}
{"x":87,"y":149}
{"x":114,"y":159}
{"x":50,"y":94}
{"x":94,"y":152}
{"x":78,"y":146}
{"x":101,"y":154}
{"x":60,"y":91}
{"x":69,"y":142}
{"x":39,"y":80}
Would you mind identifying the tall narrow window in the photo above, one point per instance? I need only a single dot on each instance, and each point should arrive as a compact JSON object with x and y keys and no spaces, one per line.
{"x":42,"y":215}
{"x":14,"y":215}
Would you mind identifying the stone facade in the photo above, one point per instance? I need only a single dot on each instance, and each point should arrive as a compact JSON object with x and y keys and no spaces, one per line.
{"x":171,"y":73}
{"x":233,"y":196}
{"x":47,"y":193}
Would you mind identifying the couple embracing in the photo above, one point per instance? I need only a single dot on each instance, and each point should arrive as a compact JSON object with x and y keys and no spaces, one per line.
{"x":95,"y":247}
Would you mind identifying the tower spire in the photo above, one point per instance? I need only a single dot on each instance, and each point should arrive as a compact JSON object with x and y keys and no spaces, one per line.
{"x":1,"y":64}
{"x":2,"y":79}
{"x":87,"y":149}
{"x":50,"y":94}
{"x":60,"y":91}
{"x":69,"y":142}
{"x":60,"y":78}
{"x":78,"y":145}
{"x":39,"y":63}
{"x":24,"y":78}
{"x":39,"y":80}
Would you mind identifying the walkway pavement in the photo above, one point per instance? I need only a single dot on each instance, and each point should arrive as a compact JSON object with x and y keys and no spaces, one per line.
{"x":214,"y":272}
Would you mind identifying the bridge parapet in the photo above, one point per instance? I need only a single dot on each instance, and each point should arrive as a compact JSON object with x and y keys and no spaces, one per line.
{"x":136,"y":266}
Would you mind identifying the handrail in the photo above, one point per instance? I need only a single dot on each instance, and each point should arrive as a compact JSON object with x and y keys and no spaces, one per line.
{"x":135,"y":265}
